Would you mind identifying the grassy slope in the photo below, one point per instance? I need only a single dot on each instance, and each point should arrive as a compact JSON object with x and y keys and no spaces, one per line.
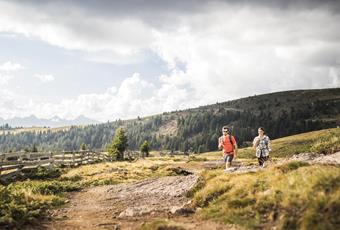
{"x":291,"y":196}
{"x":323,"y":141}
{"x":295,"y":195}
{"x":24,"y":201}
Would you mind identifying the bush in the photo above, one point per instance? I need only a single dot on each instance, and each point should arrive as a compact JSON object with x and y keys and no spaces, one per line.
{"x":43,"y":173}
{"x":24,"y":202}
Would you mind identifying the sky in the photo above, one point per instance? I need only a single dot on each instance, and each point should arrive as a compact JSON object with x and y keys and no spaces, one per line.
{"x":111,"y":60}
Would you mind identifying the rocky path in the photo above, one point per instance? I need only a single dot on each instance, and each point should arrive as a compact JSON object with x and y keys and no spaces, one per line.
{"x":312,"y":158}
{"x":119,"y":206}
{"x":128,"y":206}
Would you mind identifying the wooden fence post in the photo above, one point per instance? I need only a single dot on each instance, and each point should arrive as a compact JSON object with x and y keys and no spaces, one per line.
{"x":1,"y":162}
{"x":20,"y":165}
{"x":51,"y":160}
{"x":39,"y":159}
{"x":81,"y":156}
{"x":73,"y":158}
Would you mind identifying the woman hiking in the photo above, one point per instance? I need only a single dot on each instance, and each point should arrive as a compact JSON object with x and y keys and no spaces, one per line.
{"x":228,"y":144}
{"x":262,"y":145}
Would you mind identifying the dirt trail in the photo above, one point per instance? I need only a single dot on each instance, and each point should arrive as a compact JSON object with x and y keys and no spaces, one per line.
{"x":312,"y":158}
{"x":126,"y":206}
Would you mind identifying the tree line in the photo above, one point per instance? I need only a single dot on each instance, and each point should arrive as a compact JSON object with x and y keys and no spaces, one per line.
{"x":197,"y":130}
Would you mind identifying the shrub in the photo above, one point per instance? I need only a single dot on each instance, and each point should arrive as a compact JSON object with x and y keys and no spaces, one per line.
{"x":43,"y":173}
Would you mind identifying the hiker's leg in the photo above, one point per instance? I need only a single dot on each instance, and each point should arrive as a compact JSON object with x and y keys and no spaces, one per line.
{"x":225,"y":158}
{"x":259,"y":160}
{"x":264,"y":161}
{"x":230,"y":160}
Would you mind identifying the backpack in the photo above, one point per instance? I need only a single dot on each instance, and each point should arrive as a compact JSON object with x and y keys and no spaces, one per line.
{"x":231,"y":141}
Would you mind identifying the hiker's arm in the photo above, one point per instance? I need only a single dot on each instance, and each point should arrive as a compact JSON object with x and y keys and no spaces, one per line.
{"x":235,"y":150}
{"x":269,"y":145}
{"x":255,"y":143}
{"x":220,"y":143}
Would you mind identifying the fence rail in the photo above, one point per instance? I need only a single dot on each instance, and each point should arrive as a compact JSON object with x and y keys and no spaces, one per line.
{"x":13,"y":163}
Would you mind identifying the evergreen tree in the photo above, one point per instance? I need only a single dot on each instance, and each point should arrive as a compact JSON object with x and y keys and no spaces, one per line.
{"x":34,"y":148}
{"x":83,"y":146}
{"x":144,"y":148}
{"x":118,"y":146}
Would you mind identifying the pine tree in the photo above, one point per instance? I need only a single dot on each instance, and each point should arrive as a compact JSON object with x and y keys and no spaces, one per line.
{"x":118,"y":146}
{"x":144,"y":148}
{"x":83,"y":146}
{"x":34,"y":148}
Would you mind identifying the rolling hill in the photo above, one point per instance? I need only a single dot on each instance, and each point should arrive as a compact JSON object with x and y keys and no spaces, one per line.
{"x":197,"y":129}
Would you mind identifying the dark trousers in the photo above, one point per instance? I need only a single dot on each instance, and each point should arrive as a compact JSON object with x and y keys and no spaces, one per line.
{"x":262,"y":159}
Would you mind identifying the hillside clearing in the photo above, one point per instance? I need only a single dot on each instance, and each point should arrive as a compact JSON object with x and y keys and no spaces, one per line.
{"x":140,"y":193}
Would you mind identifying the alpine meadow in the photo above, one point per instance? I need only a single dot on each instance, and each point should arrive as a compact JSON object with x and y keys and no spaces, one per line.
{"x":170,"y":115}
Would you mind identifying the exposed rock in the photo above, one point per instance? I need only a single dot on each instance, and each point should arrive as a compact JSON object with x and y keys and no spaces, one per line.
{"x":180,"y":171}
{"x":317,"y":158}
{"x":127,"y":213}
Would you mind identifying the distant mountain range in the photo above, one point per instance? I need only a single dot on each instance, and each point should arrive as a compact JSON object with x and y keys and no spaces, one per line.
{"x":53,"y":122}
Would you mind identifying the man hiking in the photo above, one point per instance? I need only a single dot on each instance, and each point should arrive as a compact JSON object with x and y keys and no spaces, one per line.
{"x":228,"y":145}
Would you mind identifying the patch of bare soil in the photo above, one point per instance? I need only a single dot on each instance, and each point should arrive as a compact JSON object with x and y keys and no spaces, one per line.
{"x":128,"y":206}
{"x":237,"y":167}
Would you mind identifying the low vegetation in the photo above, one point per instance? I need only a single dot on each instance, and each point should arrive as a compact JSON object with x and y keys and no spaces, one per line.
{"x":161,"y":224}
{"x":26,"y":201}
{"x":291,"y":196}
{"x":294,"y":195}
{"x":41,"y":189}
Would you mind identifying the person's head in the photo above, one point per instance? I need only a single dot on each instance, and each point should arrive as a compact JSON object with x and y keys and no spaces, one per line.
{"x":261,"y":131}
{"x":225,"y":130}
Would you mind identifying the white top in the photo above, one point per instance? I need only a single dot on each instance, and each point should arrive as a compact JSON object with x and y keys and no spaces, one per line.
{"x":262,"y":145}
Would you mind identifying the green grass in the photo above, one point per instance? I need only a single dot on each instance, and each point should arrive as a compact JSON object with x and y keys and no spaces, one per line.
{"x":322,"y":141}
{"x":41,"y":189}
{"x":27,"y":201}
{"x":290,"y":196}
{"x":161,"y":225}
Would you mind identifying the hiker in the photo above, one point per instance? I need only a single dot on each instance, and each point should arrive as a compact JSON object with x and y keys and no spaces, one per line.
{"x":262,"y":145}
{"x":228,"y":144}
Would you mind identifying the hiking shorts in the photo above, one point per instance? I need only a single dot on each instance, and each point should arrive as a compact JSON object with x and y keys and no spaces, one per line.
{"x":228,"y":158}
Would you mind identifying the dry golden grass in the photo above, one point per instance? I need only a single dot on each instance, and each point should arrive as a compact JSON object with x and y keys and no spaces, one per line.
{"x":292,"y":196}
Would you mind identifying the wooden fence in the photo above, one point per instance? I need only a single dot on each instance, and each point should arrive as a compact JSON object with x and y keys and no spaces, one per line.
{"x":12,"y":163}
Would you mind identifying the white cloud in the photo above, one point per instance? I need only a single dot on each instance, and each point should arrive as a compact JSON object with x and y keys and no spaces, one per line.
{"x":107,"y":39}
{"x":225,"y":51}
{"x":45,"y":77}
{"x":230,"y":53}
{"x":4,"y":79}
{"x":6,"y":71}
{"x":8,"y":67}
{"x":135,"y":97}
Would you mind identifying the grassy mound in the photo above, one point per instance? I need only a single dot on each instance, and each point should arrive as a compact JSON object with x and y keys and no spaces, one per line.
{"x":27,"y":201}
{"x":290,"y":196}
